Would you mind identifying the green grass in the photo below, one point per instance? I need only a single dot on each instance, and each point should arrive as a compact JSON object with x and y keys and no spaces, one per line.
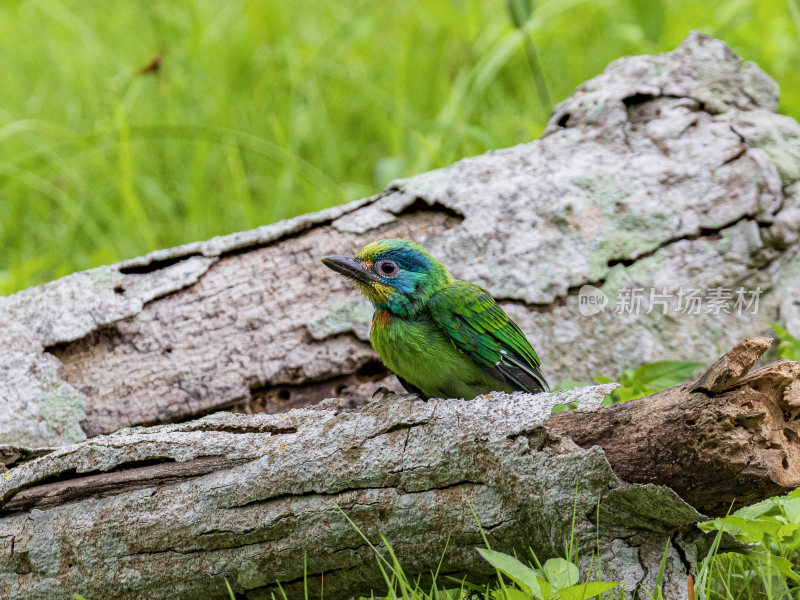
{"x":265,"y":110}
{"x":764,"y":570}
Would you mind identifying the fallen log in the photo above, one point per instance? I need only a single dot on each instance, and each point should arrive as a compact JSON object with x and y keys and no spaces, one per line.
{"x":723,"y":441}
{"x":174,"y":510}
{"x":666,"y":173}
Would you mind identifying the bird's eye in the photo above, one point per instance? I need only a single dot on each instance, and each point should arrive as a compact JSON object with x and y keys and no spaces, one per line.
{"x":387,"y":268}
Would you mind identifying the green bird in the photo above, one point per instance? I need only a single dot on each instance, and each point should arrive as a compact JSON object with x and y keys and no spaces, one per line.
{"x":442,"y":337}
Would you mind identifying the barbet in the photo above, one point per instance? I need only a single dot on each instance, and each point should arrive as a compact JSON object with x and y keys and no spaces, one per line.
{"x":442,"y":337}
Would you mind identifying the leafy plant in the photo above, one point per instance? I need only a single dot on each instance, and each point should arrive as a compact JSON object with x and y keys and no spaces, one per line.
{"x":657,"y":376}
{"x":772,"y":527}
{"x":642,"y":381}
{"x":788,"y":345}
{"x":649,"y":379}
{"x":558,"y":578}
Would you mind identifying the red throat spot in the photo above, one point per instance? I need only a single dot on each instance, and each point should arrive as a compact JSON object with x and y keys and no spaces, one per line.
{"x":382,"y":318}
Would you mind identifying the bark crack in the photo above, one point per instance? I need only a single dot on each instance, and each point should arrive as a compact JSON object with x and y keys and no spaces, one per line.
{"x":155,"y":265}
{"x":70,"y":486}
{"x":705,"y":233}
{"x":397,"y":488}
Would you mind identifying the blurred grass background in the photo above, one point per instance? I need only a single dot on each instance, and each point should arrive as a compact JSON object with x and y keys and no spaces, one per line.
{"x":262,"y":110}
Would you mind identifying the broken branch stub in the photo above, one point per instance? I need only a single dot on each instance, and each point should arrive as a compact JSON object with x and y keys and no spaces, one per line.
{"x":738,"y":444}
{"x":733,"y":366}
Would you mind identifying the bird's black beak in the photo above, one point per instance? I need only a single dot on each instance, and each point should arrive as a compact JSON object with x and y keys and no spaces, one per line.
{"x":350,"y":267}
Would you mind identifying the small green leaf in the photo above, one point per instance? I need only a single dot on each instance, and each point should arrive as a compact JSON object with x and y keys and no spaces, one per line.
{"x":626,"y":379}
{"x":791,"y":509}
{"x":789,"y":535}
{"x":770,"y":561}
{"x":585,"y":591}
{"x":521,"y":574}
{"x":768,"y":507}
{"x":510,"y":594}
{"x":624,"y":394}
{"x":649,"y":379}
{"x":663,"y":374}
{"x":752,"y":530}
{"x":788,"y":346}
{"x":560,"y":573}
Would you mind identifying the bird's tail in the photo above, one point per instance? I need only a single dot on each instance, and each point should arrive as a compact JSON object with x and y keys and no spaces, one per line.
{"x":525,"y":375}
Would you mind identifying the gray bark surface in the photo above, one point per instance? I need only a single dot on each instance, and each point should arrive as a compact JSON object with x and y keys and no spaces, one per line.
{"x":669,"y":171}
{"x":174,"y":510}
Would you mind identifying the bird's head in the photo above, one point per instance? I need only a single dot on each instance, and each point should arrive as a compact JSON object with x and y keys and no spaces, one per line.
{"x":396,"y":274}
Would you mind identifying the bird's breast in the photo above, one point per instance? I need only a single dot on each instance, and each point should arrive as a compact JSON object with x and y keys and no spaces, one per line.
{"x":412,"y":347}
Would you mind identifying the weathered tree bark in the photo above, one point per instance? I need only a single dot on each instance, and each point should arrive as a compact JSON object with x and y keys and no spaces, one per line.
{"x":669,"y":171}
{"x":172,"y":510}
{"x":722,"y":439}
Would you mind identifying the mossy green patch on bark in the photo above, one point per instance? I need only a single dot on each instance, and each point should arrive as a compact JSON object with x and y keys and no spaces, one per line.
{"x":63,"y":410}
{"x":617,"y":244}
{"x":354,"y":316}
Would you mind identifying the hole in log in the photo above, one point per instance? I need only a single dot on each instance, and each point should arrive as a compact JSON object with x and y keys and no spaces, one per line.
{"x":420,"y":205}
{"x":785,"y":462}
{"x":372,"y":369}
{"x":636,"y":99}
{"x":749,"y":421}
{"x":354,"y":388}
{"x":690,"y":422}
{"x":563,"y":120}
{"x":791,"y":435}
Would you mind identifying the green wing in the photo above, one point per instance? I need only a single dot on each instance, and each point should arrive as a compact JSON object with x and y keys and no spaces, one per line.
{"x":479,"y":327}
